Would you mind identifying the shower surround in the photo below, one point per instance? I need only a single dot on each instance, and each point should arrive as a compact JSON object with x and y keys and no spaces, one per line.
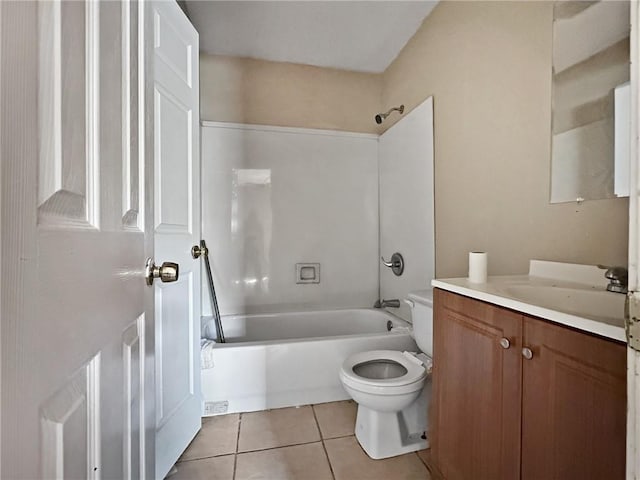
{"x":275,"y":197}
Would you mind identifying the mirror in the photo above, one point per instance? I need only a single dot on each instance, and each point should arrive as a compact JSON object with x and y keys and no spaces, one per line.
{"x":590,"y":77}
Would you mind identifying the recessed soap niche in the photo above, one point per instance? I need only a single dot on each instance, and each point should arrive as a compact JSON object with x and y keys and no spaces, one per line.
{"x":307,"y":273}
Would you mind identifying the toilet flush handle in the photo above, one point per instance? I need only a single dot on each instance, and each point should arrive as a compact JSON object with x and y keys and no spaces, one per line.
{"x":411,"y":303}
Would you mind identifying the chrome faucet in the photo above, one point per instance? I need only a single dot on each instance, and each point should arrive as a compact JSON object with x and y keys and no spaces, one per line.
{"x":394,"y":303}
{"x":618,"y":279}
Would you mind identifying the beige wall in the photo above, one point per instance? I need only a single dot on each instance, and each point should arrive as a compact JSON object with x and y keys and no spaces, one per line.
{"x":285,"y":94}
{"x":488,"y":67}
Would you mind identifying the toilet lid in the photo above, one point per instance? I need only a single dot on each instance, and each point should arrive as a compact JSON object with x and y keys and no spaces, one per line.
{"x":400,"y":370}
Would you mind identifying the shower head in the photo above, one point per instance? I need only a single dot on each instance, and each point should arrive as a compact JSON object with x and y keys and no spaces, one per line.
{"x":381,"y":116}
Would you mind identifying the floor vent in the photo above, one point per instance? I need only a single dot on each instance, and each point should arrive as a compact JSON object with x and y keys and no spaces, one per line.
{"x":216,"y":408}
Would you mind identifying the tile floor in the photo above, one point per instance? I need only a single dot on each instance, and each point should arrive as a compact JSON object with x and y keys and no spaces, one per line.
{"x":313,"y":442}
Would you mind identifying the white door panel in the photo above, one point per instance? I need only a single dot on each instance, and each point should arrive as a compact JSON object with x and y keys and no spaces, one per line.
{"x":175,"y":377}
{"x":74,"y":332}
{"x":133,"y":347}
{"x":67,"y":113}
{"x":176,"y":230}
{"x":173,"y":127}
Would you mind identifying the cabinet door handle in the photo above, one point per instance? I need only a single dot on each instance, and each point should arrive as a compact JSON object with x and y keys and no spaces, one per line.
{"x":505,"y":343}
{"x":527,"y":353}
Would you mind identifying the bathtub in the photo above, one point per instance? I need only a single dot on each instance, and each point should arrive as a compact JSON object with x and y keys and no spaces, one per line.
{"x":290,"y":359}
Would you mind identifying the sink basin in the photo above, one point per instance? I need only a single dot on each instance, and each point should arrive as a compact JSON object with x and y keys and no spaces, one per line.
{"x":585,"y":302}
{"x":563,"y":293}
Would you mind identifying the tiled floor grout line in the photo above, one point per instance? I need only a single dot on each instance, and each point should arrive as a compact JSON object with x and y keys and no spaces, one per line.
{"x":273,"y":448}
{"x":235,"y":455}
{"x":340,"y":436}
{"x":427,"y":466}
{"x":236,"y":450}
{"x":423,"y":462}
{"x":206,"y":457}
{"x":324,"y":447}
{"x":315,"y":419}
{"x":280,"y":446}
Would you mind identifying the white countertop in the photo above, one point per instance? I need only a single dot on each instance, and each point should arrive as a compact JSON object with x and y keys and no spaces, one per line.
{"x":499,"y":290}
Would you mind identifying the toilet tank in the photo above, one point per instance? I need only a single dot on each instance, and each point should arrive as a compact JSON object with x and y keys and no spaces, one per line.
{"x":422,"y":319}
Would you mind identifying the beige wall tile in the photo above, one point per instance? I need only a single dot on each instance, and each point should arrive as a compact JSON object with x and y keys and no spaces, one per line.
{"x":349,"y":462}
{"x":218,"y":436}
{"x":307,"y":462}
{"x":205,"y":469}
{"x":277,"y":428}
{"x":336,"y":419}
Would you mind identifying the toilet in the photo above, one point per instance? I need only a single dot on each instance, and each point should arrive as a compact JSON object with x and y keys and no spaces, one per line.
{"x":393,"y":389}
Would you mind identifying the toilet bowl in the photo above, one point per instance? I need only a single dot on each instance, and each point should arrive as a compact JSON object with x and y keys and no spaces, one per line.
{"x":384,"y":380}
{"x":392,"y":390}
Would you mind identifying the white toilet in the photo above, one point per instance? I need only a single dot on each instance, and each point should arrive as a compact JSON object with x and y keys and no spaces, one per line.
{"x":393,"y":389}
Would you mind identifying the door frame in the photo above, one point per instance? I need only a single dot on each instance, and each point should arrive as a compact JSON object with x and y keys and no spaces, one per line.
{"x":633,"y":356}
{"x":1,"y":216}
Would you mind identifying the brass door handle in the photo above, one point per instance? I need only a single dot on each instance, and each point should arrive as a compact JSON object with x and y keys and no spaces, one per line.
{"x":198,"y":250}
{"x":168,"y":272}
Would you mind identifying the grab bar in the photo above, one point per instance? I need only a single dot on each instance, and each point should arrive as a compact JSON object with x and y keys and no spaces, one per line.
{"x":204,"y":251}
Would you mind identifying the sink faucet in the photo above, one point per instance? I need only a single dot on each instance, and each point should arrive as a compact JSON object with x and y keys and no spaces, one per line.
{"x":618,"y":279}
{"x":394,"y":303}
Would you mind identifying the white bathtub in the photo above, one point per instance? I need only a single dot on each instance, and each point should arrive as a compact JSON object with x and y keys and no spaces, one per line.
{"x":289,"y":359}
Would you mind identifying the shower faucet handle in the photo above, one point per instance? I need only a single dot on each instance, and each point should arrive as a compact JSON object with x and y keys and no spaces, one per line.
{"x":396,"y":264}
{"x":387,"y":264}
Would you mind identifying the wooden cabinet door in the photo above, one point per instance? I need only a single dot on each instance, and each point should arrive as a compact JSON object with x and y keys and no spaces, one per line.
{"x":574,"y":405}
{"x":477,"y":389}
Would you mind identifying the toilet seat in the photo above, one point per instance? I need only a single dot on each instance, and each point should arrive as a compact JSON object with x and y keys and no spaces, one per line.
{"x":413,"y":378}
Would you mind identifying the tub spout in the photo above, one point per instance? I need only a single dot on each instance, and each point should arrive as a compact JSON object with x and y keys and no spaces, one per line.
{"x":393,"y":303}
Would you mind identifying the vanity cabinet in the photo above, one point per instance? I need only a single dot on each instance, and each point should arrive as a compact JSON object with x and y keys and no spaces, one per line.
{"x":573,"y":404}
{"x":519,"y":397}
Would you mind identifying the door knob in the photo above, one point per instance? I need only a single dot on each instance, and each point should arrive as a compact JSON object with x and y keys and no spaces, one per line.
{"x":505,"y":343}
{"x":198,"y":250}
{"x":527,"y":353}
{"x":168,"y":272}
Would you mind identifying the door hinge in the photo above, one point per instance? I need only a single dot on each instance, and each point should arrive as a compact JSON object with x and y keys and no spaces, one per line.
{"x":632,"y":320}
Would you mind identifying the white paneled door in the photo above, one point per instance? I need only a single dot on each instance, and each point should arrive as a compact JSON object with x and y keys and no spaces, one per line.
{"x":100,"y":167}
{"x":176,"y":230}
{"x":76,"y":361}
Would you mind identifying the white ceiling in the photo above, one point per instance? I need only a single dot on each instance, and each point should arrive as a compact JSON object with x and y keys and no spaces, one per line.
{"x":351,"y":35}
